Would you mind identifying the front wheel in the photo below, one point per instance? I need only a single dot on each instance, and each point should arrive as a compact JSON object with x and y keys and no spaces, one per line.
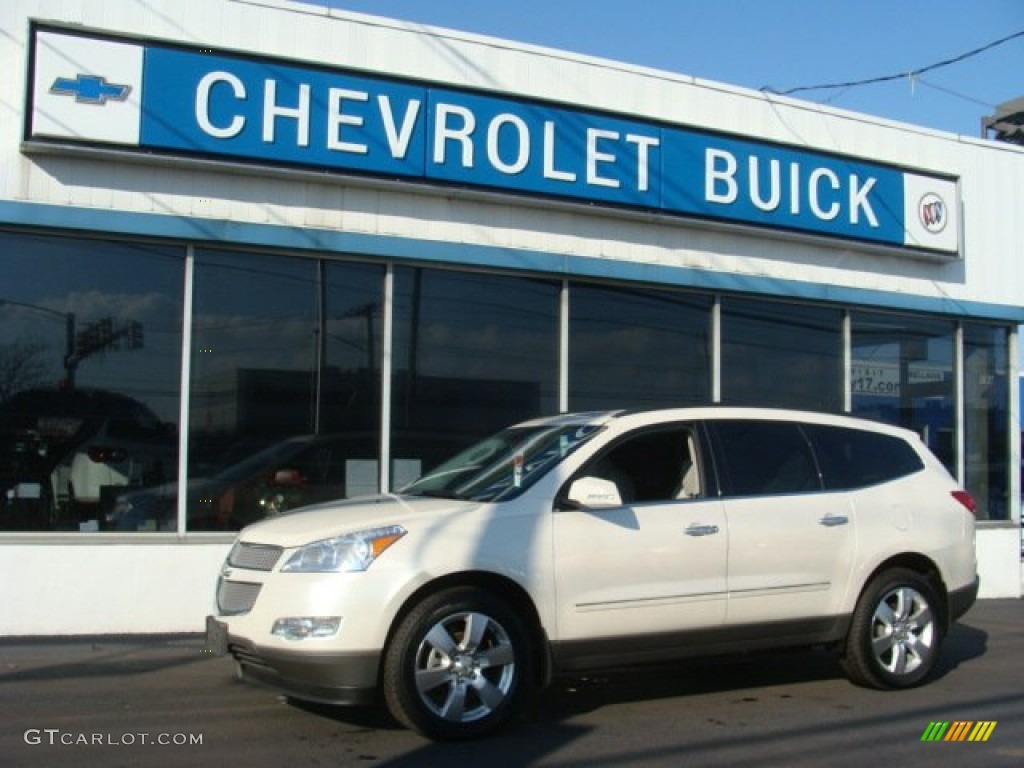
{"x":896,"y":632}
{"x":458,"y":665}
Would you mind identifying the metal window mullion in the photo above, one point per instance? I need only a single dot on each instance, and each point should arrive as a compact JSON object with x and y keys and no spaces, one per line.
{"x":716,"y":350}
{"x":563,"y":348}
{"x":185,"y":391}
{"x":386,"y":365}
{"x":847,"y":341}
{"x":960,"y":406}
{"x":320,"y":341}
{"x":1013,"y":382}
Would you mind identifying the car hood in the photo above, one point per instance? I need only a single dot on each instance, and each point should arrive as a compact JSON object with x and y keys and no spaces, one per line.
{"x":337,"y":518}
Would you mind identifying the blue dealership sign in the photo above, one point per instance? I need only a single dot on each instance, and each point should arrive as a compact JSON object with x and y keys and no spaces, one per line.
{"x":178,"y":101}
{"x":275,"y":113}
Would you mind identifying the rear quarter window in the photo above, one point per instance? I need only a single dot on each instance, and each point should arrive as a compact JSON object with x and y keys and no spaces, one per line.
{"x":855,"y":458}
{"x":763,"y":458}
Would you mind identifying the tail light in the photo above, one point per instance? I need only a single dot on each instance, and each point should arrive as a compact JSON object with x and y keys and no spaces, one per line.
{"x":102,"y":454}
{"x":966,"y":500}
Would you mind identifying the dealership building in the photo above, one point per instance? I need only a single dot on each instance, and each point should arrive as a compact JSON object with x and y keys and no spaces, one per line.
{"x":277,"y":253}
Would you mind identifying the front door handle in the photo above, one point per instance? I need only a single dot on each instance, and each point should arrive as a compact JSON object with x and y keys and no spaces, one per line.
{"x":696,"y":529}
{"x":830,"y":521}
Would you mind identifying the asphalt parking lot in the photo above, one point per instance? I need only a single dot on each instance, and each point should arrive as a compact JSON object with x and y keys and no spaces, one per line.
{"x":164,"y":701}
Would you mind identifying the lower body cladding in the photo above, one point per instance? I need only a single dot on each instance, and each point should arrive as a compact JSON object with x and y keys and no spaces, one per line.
{"x":462,"y":659}
{"x":349,"y":679}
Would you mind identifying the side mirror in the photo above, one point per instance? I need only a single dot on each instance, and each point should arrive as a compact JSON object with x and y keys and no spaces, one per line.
{"x":594,"y":493}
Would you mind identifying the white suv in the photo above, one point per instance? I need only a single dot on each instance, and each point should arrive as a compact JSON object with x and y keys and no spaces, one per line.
{"x":600,"y":539}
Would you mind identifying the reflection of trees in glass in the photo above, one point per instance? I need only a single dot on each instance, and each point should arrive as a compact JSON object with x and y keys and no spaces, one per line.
{"x":57,"y":294}
{"x":22,"y":366}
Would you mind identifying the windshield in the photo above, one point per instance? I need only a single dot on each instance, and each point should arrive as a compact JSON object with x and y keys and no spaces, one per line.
{"x":504,"y":465}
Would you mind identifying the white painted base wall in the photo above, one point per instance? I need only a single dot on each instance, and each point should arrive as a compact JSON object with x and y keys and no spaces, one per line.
{"x":85,"y":589}
{"x":999,"y":562}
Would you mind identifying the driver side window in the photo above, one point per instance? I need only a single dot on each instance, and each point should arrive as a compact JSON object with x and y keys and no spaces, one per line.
{"x":652,"y":466}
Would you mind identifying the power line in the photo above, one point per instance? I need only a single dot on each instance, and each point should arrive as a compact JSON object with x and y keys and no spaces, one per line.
{"x":910,"y":74}
{"x":959,"y":95}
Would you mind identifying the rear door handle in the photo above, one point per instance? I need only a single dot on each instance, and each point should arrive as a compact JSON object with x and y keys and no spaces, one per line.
{"x":830,"y":521}
{"x":701,"y":530}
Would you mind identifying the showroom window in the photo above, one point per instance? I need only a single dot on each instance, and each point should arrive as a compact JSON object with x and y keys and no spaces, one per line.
{"x":473,"y":353}
{"x":637,"y":348}
{"x":90,"y":360}
{"x":284,"y":405}
{"x":986,"y":417}
{"x":781,"y":355}
{"x":902,"y":373}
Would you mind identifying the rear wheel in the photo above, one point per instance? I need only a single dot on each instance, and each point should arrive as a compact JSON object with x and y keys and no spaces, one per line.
{"x":458,"y":665}
{"x":896,"y":632}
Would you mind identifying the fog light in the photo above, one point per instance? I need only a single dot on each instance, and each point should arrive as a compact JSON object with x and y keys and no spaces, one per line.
{"x":301,"y":627}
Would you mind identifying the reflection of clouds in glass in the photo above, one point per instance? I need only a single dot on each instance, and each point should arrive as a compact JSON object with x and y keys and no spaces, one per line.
{"x":121,"y":306}
{"x":225,"y":342}
{"x":44,"y":325}
{"x":485,"y":352}
{"x":149,"y":374}
{"x":17,"y":322}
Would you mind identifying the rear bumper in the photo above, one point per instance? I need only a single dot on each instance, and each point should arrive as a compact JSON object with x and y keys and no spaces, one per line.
{"x":961,"y":600}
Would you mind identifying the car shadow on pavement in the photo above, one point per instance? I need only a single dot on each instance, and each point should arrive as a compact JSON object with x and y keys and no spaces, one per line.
{"x":568,"y":697}
{"x":42,"y":659}
{"x":720,"y":674}
{"x":962,"y":644}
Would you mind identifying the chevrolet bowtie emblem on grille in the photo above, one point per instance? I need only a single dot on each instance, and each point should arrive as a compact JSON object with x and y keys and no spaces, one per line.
{"x":90,"y":89}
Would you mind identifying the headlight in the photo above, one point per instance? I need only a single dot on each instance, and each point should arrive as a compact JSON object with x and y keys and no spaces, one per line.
{"x":351,"y":552}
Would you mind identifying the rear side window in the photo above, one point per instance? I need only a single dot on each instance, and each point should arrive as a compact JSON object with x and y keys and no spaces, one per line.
{"x":854,"y":458}
{"x":763,"y":458}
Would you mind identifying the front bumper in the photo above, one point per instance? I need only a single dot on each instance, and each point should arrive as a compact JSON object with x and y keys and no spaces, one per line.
{"x":328,"y":678}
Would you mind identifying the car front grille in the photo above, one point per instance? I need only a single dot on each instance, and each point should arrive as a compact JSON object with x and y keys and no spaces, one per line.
{"x":255,"y":557}
{"x":236,"y":597}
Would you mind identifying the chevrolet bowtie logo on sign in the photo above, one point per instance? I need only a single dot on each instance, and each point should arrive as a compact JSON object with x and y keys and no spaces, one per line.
{"x":91,"y":90}
{"x":960,"y":730}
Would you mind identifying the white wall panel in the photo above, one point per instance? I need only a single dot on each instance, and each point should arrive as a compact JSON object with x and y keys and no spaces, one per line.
{"x":83,"y":589}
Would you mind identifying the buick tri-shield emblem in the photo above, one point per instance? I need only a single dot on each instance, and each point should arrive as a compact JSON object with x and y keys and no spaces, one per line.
{"x":932,"y":212}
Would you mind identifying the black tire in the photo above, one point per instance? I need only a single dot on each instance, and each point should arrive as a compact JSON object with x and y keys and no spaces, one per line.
{"x":458,"y":665}
{"x":896,"y":632}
